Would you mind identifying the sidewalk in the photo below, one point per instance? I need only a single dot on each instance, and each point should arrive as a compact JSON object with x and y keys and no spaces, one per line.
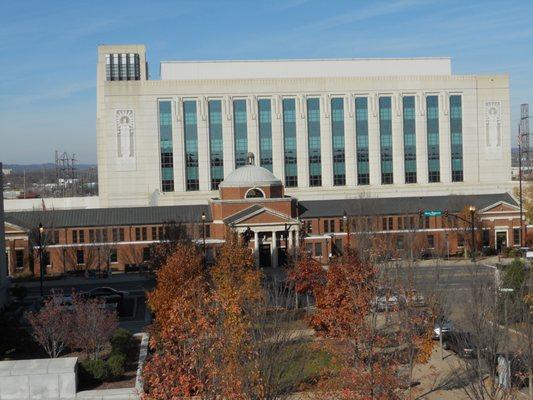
{"x":438,"y":378}
{"x":492,"y":261}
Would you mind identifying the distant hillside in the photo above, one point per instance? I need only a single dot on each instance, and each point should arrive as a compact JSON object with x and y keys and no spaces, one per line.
{"x":38,"y":167}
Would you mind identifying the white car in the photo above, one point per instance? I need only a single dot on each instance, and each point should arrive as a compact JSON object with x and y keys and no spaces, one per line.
{"x":443,"y":326}
{"x":385,"y":302}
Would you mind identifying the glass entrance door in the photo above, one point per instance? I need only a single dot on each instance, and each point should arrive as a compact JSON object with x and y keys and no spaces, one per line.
{"x":265,"y":259}
{"x":501,"y":240}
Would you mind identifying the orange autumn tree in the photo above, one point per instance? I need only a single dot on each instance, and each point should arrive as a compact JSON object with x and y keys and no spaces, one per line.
{"x":306,"y":275}
{"x":345,"y":320}
{"x":238,"y":293}
{"x":203,"y":336}
{"x":183,"y":336}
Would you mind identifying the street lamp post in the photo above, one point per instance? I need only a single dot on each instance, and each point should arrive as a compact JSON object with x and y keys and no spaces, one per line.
{"x":40,"y":232}
{"x":347,"y":229}
{"x":203,"y":235}
{"x":472,"y":210}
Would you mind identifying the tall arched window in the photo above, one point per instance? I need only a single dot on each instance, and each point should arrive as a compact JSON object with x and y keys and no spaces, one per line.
{"x":254,"y":193}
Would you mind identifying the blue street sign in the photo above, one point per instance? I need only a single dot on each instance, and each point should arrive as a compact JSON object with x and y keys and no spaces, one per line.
{"x":432,"y":213}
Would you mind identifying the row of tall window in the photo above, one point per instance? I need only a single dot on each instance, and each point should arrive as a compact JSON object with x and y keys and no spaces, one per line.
{"x":369,"y":224}
{"x":122,"y":67}
{"x":102,"y":235}
{"x":264,"y":111}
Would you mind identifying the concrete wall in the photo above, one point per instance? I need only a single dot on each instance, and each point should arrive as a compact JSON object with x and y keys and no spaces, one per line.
{"x":44,"y":379}
{"x":258,"y":69}
{"x":52,"y":203}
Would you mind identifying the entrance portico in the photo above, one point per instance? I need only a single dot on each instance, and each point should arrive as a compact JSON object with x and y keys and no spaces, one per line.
{"x":271,"y":241}
{"x":252,"y":201}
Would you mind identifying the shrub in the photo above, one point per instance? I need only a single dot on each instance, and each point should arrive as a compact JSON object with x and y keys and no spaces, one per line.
{"x":19,"y":292}
{"x":514,"y":275}
{"x":116,"y":364}
{"x":489,"y":251}
{"x":122,"y":341}
{"x":95,"y":370}
{"x":513,"y":253}
{"x":23,"y":276}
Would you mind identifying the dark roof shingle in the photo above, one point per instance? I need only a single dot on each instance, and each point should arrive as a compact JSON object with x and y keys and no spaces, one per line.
{"x":397,"y":205}
{"x":108,"y":216}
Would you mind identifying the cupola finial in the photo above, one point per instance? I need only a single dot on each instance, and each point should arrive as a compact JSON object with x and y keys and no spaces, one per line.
{"x":250,"y":159}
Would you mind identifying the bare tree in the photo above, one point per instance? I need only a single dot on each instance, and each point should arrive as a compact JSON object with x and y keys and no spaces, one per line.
{"x":283,"y":350}
{"x":480,"y":374}
{"x":171,"y":234}
{"x":50,"y":325}
{"x":92,"y":325}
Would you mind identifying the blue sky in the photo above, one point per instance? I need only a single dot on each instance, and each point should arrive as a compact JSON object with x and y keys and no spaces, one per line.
{"x":48,"y":49}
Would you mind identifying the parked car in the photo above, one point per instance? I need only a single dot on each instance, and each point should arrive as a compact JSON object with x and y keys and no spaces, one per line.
{"x":442,"y":325}
{"x":413,"y":298}
{"x":461,"y":343}
{"x":64,"y":301}
{"x":108,"y":294}
{"x":385,"y":300}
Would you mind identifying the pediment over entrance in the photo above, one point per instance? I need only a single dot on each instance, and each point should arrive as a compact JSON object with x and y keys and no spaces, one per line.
{"x":258,"y":215}
{"x":12,"y":228}
{"x":500,"y":207}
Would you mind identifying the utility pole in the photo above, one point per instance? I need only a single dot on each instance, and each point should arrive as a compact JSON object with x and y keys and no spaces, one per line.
{"x":523,"y":155}
{"x":520,"y":184}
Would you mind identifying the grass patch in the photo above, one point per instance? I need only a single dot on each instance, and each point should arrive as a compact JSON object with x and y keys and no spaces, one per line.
{"x":302,"y":364}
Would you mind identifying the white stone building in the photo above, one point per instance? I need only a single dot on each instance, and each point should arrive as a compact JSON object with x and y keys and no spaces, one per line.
{"x":3,"y":259}
{"x":338,"y":128}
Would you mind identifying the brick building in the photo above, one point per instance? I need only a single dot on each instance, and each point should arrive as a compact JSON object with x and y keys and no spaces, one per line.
{"x":252,"y":200}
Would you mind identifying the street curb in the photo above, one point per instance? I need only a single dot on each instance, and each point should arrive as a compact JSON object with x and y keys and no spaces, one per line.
{"x":143,"y":352}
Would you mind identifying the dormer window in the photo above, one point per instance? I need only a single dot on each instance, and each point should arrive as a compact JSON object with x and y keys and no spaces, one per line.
{"x":254,"y":193}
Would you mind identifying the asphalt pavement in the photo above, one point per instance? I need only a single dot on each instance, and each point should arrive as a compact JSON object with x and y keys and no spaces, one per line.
{"x":134,"y":284}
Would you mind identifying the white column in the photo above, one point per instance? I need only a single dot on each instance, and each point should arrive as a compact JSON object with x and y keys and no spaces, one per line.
{"x":326,"y":149}
{"x":398,"y":166}
{"x":274,"y":250}
{"x":373,"y":140}
{"x":178,"y":147}
{"x":349,"y":141}
{"x":277,"y":139}
{"x":203,"y":145}
{"x":228,"y":137}
{"x":302,"y":153}
{"x":253,"y":128}
{"x":445,"y":151}
{"x":421,"y":139}
{"x":256,"y":247}
{"x":289,"y":241}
